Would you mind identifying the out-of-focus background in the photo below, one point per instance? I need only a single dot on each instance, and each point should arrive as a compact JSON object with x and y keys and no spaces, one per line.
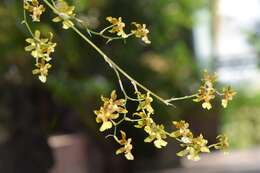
{"x":51,"y":128}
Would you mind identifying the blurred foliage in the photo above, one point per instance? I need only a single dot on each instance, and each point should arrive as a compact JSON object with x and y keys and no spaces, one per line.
{"x":253,"y":37}
{"x":241,"y":122}
{"x":242,"y":118}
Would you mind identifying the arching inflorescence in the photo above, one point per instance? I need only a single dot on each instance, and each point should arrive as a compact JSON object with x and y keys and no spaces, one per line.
{"x":114,"y":111}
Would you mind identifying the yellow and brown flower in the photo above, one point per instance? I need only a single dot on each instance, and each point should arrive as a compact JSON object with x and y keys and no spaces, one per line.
{"x":141,"y":32}
{"x":228,"y":94}
{"x":35,"y":8}
{"x":127,"y":146}
{"x":194,"y":148}
{"x":223,"y":143}
{"x":41,"y":49}
{"x":42,"y":70}
{"x":65,"y":12}
{"x":206,"y":92}
{"x":182,"y":130}
{"x":145,"y":101}
{"x":110,"y":110}
{"x":156,"y":134}
{"x":117,"y":26}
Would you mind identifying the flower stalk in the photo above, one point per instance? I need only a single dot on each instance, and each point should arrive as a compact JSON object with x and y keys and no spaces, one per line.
{"x":114,"y":111}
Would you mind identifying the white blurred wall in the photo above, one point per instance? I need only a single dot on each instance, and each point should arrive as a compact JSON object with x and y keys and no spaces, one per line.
{"x":234,"y":57}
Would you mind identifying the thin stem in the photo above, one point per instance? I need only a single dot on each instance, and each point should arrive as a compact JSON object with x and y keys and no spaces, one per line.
{"x":219,"y":93}
{"x":179,"y":140}
{"x":111,"y":62}
{"x":52,"y":7}
{"x":107,"y":136}
{"x":104,"y":30}
{"x":116,"y":139}
{"x":105,"y":36}
{"x":214,"y":145}
{"x":132,"y":120}
{"x":181,"y":98}
{"x":26,"y":23}
{"x":169,"y":134}
{"x":115,"y":130}
{"x":52,"y":1}
{"x":108,"y":37}
{"x":122,"y":86}
{"x":120,"y":121}
{"x":101,"y":33}
{"x":120,"y":83}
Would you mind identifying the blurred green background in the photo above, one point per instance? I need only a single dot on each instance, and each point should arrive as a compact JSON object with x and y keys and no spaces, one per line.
{"x":30,"y":111}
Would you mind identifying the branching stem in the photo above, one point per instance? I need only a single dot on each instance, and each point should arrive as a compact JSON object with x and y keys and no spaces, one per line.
{"x":26,"y":23}
{"x":181,"y":98}
{"x":114,"y":65}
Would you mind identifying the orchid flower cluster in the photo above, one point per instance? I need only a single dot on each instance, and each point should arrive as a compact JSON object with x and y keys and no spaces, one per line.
{"x":208,"y":92}
{"x":34,"y":8}
{"x":114,"y":110}
{"x":40,"y":49}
